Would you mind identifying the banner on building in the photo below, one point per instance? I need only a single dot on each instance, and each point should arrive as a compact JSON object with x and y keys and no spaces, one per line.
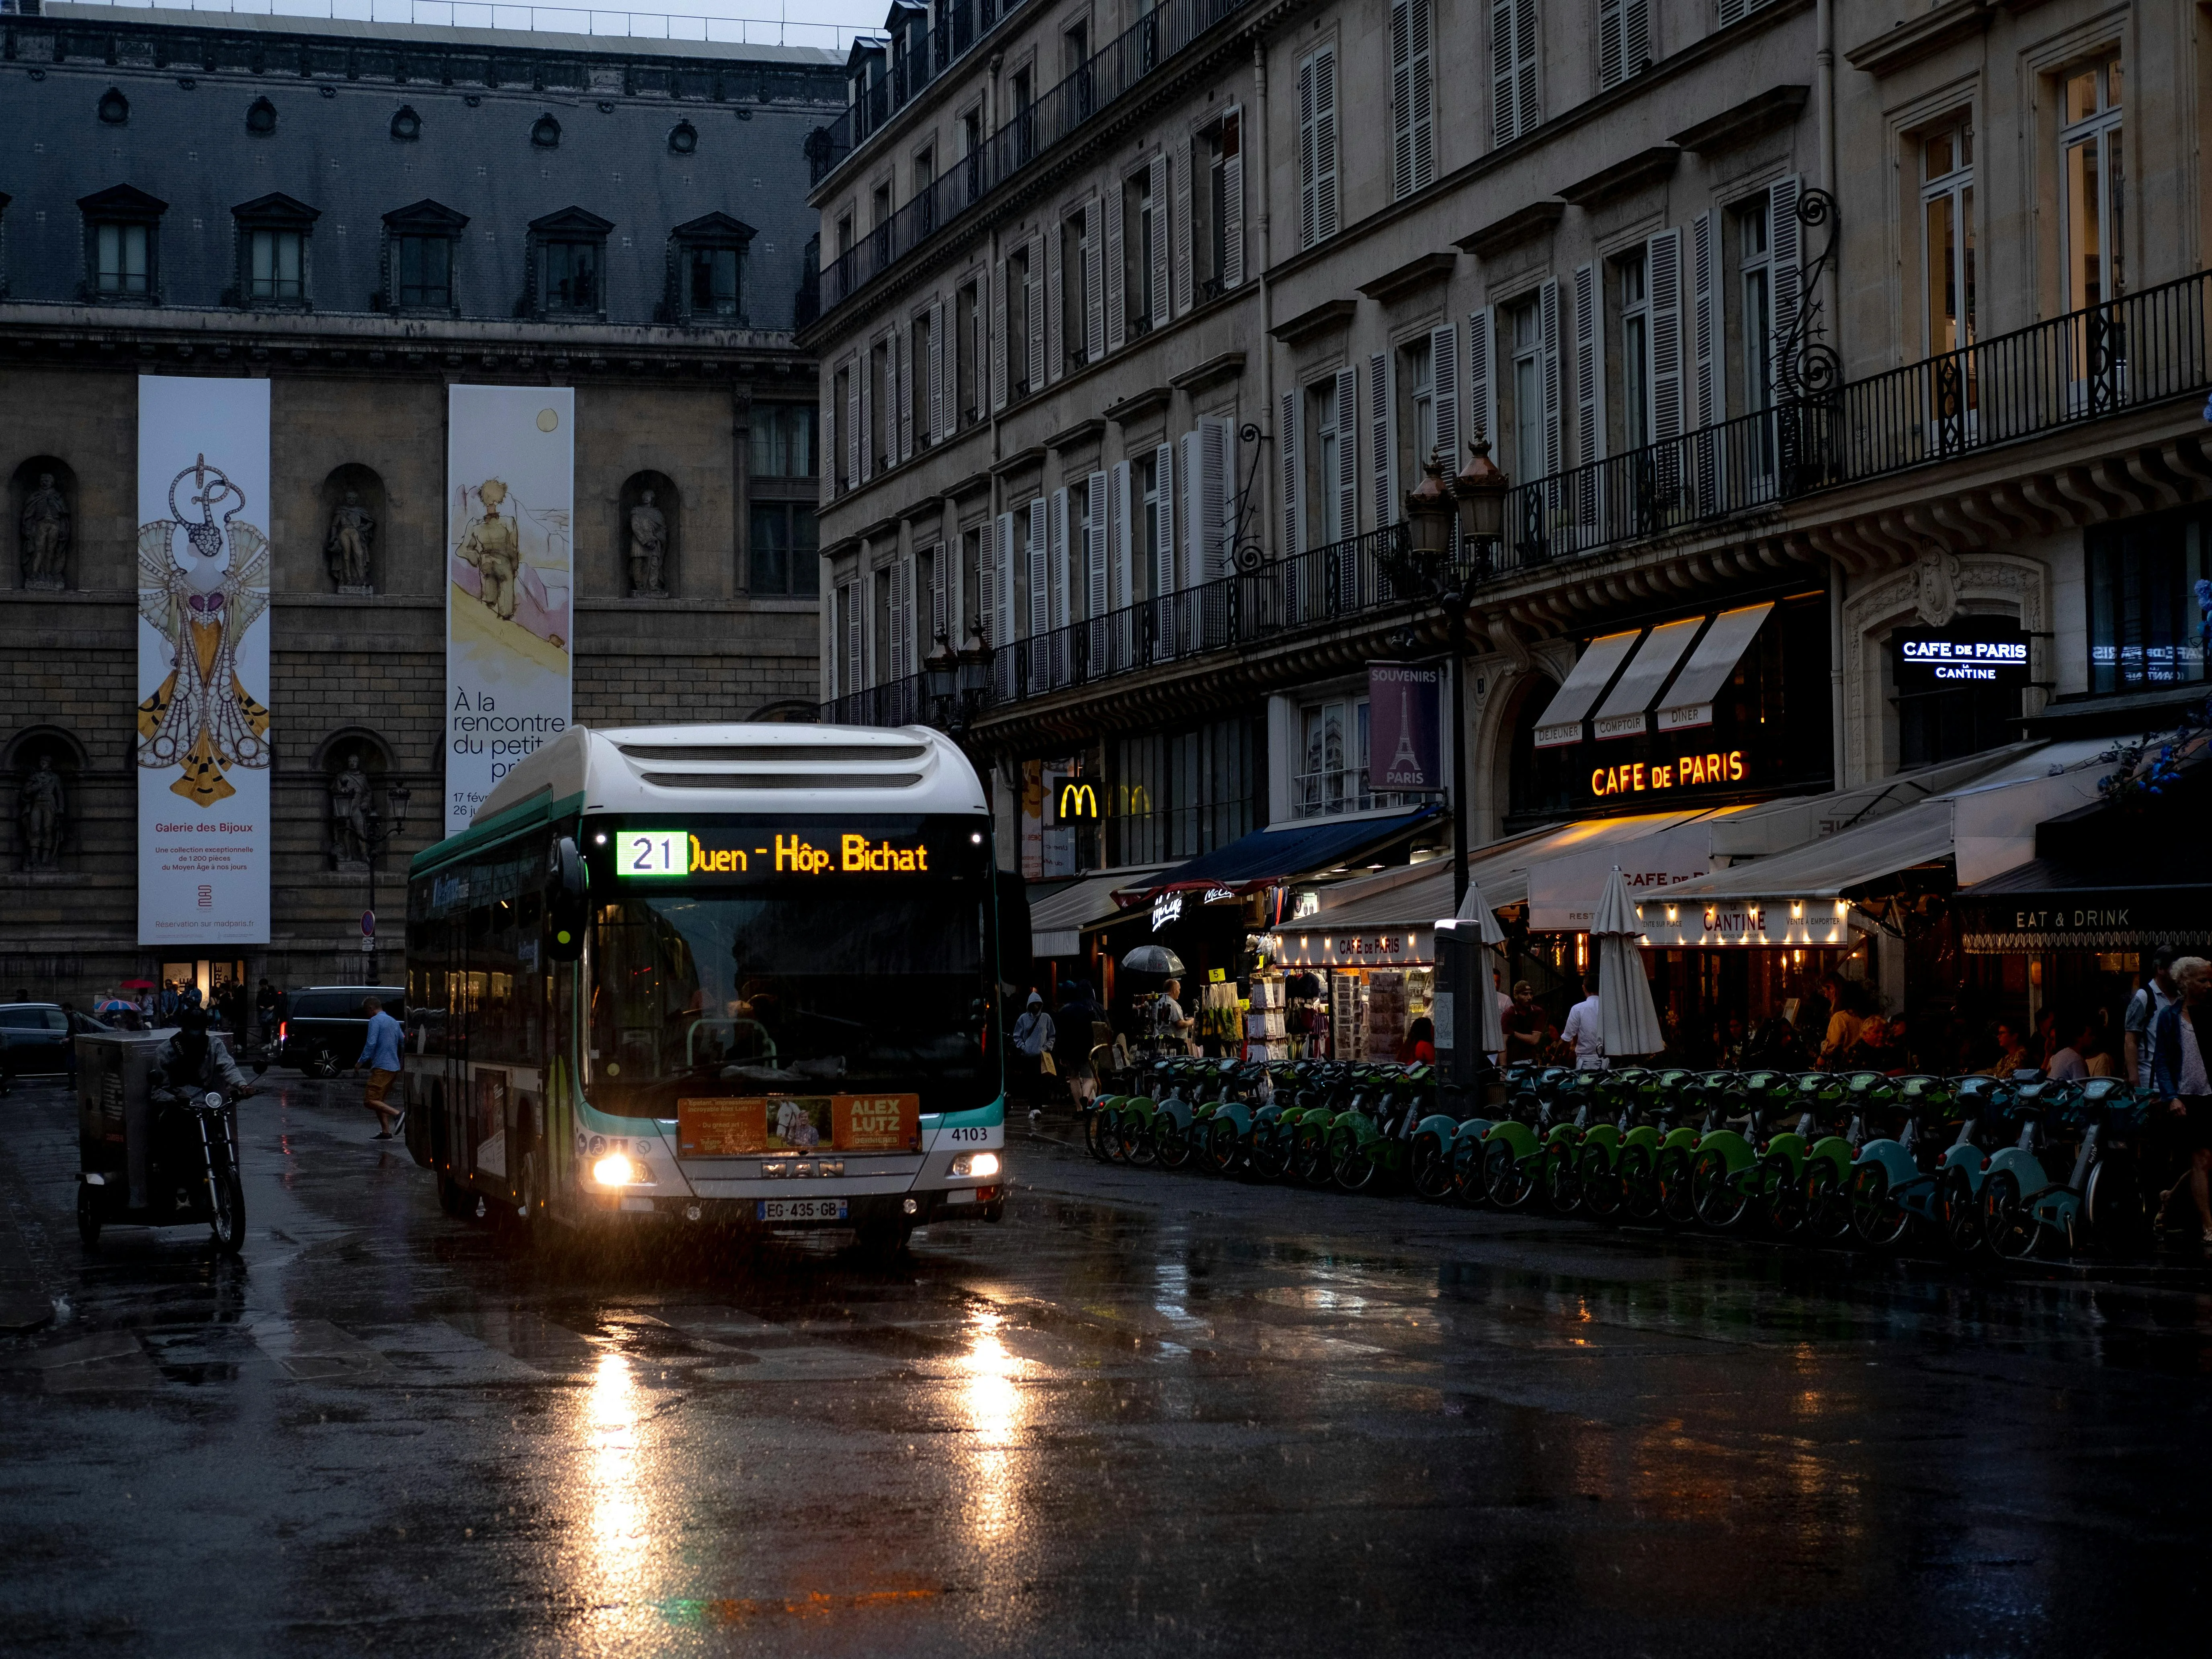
{"x":203,"y":705}
{"x":510,"y":582}
{"x":1404,"y":756}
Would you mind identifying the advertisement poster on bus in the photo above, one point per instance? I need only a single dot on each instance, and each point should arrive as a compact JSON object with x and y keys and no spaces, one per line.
{"x":510,"y":582}
{"x":202,"y":739}
{"x":750,"y":1126}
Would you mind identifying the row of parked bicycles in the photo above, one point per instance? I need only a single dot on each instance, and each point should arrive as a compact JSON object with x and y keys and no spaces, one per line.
{"x":2009,"y":1166}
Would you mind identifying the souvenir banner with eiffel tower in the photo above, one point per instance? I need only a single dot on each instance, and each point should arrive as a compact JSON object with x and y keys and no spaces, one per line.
{"x":202,"y":739}
{"x":1404,"y":727}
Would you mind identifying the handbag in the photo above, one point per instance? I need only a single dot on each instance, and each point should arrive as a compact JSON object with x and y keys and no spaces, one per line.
{"x":1047,"y":1066}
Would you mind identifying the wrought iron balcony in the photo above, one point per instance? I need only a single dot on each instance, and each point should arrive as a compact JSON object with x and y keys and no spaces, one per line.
{"x":1023,"y":135}
{"x":2131,"y":353}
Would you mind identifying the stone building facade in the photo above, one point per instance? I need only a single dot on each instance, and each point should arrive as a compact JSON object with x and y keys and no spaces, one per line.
{"x":365,"y":215}
{"x":1895,"y":324}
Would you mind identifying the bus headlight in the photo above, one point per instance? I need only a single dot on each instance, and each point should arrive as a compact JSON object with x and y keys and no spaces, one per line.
{"x":982,"y":1164}
{"x":619,"y":1170}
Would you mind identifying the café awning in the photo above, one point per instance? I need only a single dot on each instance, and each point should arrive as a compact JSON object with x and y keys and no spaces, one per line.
{"x":1057,"y":920}
{"x":1285,"y":852}
{"x":1683,"y":700}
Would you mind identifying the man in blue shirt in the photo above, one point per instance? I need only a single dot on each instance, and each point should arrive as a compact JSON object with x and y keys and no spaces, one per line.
{"x":379,"y":1052}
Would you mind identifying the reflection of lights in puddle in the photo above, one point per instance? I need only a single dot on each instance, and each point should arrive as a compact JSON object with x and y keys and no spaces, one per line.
{"x":613,"y":1457}
{"x":991,"y":1400}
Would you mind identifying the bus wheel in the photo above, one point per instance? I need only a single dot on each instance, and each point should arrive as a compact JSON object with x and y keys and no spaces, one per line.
{"x":530,"y":1202}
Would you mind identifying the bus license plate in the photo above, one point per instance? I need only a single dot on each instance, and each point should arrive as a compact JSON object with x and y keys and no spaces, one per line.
{"x":800,"y":1209}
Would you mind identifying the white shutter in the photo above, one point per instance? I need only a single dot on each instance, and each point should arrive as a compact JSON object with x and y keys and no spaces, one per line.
{"x":999,"y":339}
{"x":1527,"y":98}
{"x":1664,"y":254}
{"x":1635,"y":36}
{"x":901,"y":616}
{"x":1039,"y":365}
{"x":1117,"y":298}
{"x":1287,"y":441}
{"x":1444,"y":375}
{"x":1482,"y":375}
{"x":1412,"y":98}
{"x":854,"y":376}
{"x":855,"y":669}
{"x":938,"y":430}
{"x":1050,"y":610}
{"x":1216,"y":452}
{"x":1185,"y":243}
{"x":1503,"y":126}
{"x":1732,"y":11}
{"x":1094,"y":298}
{"x":1164,"y":541}
{"x":994,"y":582}
{"x":1317,"y":147}
{"x":1098,"y":599}
{"x":1194,"y":517}
{"x":1162,"y":236}
{"x":1347,"y":453}
{"x":1705,"y":411}
{"x":902,"y":361}
{"x":1052,"y":363}
{"x":868,"y":412}
{"x":1121,"y":592}
{"x":1232,"y":199}
{"x":1547,"y":316}
{"x":1784,"y":245}
{"x":1040,"y":612}
{"x":1379,"y":457}
{"x":1609,"y":71}
{"x":1308,"y":220}
{"x":1589,"y":369}
{"x":940,"y":624}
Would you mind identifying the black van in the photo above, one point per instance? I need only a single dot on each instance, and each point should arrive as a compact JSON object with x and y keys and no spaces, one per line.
{"x":322,"y":1027}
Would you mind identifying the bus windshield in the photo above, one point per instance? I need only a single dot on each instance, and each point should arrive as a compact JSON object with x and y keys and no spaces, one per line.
{"x":697,"y":992}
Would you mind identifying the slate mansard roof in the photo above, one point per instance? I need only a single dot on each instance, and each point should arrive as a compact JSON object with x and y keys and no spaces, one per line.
{"x":190,"y":79}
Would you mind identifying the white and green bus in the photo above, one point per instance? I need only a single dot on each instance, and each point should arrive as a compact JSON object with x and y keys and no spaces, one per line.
{"x":748,"y":975}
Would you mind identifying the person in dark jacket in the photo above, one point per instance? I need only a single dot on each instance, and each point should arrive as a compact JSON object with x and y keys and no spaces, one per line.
{"x":1075,"y":1035}
{"x":2181,"y":1056}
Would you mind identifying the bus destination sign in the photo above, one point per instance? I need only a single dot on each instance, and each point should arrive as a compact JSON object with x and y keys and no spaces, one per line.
{"x":662,"y":852}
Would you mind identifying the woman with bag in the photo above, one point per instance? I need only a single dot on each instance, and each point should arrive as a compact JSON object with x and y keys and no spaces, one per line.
{"x":1032,"y":1043}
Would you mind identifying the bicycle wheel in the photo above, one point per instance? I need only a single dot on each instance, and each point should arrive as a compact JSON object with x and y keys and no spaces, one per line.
{"x":1469,"y":1182}
{"x":1639,"y":1184}
{"x":1136,"y":1138}
{"x":1511,"y":1180}
{"x":1562,"y":1178}
{"x":1678,"y":1199}
{"x":1879,"y":1219}
{"x":1309,"y":1158}
{"x":1719,"y":1201}
{"x":1781,"y":1195}
{"x":1351,"y":1167}
{"x":1602,"y":1192}
{"x":1431,"y":1171}
{"x":1171,"y":1142}
{"x":1827,"y":1205}
{"x":2119,"y":1222}
{"x":1961,"y":1211}
{"x":1271,"y":1151}
{"x":2007,"y":1224}
{"x":1221,"y":1145}
{"x":1097,"y":1132}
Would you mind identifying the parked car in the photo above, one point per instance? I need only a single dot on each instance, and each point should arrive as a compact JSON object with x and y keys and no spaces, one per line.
{"x":321,"y":1029}
{"x":35,"y":1038}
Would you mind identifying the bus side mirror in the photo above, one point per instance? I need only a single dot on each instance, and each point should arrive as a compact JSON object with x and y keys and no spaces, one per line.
{"x":567,"y":903}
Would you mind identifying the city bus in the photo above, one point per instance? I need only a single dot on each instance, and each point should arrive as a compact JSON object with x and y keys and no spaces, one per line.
{"x":754,"y":975}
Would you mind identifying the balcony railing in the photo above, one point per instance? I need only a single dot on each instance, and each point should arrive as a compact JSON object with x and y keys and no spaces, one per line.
{"x":2140,"y":349}
{"x":1025,"y":134}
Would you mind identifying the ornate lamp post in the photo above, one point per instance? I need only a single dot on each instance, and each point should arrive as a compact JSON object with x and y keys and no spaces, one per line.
{"x":382,"y":832}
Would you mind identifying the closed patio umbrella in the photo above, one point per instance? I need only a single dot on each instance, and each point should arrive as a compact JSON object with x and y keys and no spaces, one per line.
{"x":1476,"y":919}
{"x":1627,"y":1023}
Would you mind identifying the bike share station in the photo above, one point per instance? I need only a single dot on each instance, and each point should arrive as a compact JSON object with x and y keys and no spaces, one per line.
{"x":150,"y":1155}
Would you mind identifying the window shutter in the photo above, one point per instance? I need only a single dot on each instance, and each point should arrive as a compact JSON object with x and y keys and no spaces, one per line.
{"x":1094,"y":298}
{"x":1164,"y":542}
{"x":1424,"y":96}
{"x":1635,"y":36}
{"x":868,"y":409}
{"x":1482,"y":375}
{"x":1040,"y":613}
{"x":1401,"y":97}
{"x":1163,"y":237}
{"x":1609,"y":71}
{"x":1051,"y":363}
{"x":1528,"y":104}
{"x":902,"y":613}
{"x":855,"y":671}
{"x":1216,"y":449}
{"x":1325,"y":203}
{"x":1589,"y":390}
{"x":999,"y":339}
{"x":1705,"y":411}
{"x":1378,"y":434}
{"x":1547,"y":315}
{"x":993,"y":578}
{"x":1505,"y":125}
{"x":1443,"y":374}
{"x":1665,"y":257}
{"x":1308,"y":174}
{"x":1048,"y":600}
{"x":1194,"y":537}
{"x":938,"y":432}
{"x":1117,"y":299}
{"x":1119,"y":593}
{"x":1347,"y":453}
{"x":1038,"y":364}
{"x":903,"y":363}
{"x":1732,"y":11}
{"x":1186,"y":242}
{"x":1232,"y":199}
{"x":1094,"y":547}
{"x":941,"y":627}
{"x":1785,"y":246}
{"x":1286,"y":434}
{"x":858,"y":376}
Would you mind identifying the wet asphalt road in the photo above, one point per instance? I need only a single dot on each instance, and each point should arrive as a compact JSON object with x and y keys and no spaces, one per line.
{"x":1146,"y":1414}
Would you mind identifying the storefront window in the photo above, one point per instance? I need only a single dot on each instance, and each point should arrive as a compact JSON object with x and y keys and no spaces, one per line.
{"x":1178,"y":795}
{"x":2147,"y":609}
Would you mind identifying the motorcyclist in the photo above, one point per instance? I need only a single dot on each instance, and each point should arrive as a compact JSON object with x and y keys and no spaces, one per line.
{"x":197,"y":1060}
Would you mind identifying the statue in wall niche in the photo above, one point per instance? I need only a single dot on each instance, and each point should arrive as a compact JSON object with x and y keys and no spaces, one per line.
{"x":648,"y":544}
{"x":45,"y":810}
{"x":351,"y":832}
{"x":353,"y":531}
{"x":46,"y":526}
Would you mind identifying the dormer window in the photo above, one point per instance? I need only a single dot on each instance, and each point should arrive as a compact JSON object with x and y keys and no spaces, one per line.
{"x":420,"y":243}
{"x":272,"y":251}
{"x":122,"y":244}
{"x":568,"y":260}
{"x":706,"y":268}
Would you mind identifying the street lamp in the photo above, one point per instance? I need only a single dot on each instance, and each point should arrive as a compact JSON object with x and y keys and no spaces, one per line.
{"x":1480,"y":490}
{"x":974,"y":675}
{"x":381,"y":833}
{"x":940,"y":679}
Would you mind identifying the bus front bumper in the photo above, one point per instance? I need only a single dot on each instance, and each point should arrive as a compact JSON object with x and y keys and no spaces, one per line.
{"x":820,"y":1206}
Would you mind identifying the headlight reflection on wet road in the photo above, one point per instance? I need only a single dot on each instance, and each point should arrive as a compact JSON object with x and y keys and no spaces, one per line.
{"x":615,"y":1463}
{"x":991,"y":1405}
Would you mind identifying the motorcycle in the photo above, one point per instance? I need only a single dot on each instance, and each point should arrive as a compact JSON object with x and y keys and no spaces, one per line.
{"x":189,"y":1172}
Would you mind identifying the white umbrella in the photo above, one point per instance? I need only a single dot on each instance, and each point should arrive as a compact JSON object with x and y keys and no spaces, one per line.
{"x":1476,"y":919}
{"x":1627,"y":1024}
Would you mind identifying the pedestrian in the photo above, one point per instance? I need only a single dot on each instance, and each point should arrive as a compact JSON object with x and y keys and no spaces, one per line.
{"x":2011,"y":1052}
{"x":2069,"y":1061}
{"x":1420,"y":1048}
{"x":1075,"y":1039}
{"x":265,"y":1003}
{"x":2152,"y":998}
{"x":1841,"y":1033}
{"x":1581,"y":1032}
{"x":1526,"y":1027}
{"x":1170,"y":1023}
{"x":2179,"y":1038}
{"x":1032,"y":1036}
{"x":379,"y":1052}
